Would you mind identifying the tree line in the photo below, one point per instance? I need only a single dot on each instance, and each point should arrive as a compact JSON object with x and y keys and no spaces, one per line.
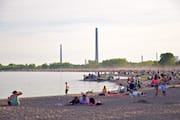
{"x":166,"y":59}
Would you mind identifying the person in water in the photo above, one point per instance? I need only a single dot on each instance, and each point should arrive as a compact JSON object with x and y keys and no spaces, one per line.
{"x":13,"y":99}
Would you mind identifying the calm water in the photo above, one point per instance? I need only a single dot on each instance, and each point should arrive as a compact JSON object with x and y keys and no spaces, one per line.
{"x":47,"y":83}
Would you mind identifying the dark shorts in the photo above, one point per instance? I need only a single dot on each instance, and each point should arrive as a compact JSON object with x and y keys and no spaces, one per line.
{"x":66,"y":91}
{"x":156,"y":86}
{"x":9,"y":103}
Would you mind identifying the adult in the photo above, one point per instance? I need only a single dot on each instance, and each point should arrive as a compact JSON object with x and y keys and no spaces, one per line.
{"x":131,"y":86}
{"x":13,"y":99}
{"x":66,"y":88}
{"x":92,"y":101}
{"x":75,"y":101}
{"x":121,"y":89}
{"x":163,"y":83}
{"x":84,"y":99}
{"x":155,"y":84}
{"x":104,"y":90}
{"x":137,"y":82}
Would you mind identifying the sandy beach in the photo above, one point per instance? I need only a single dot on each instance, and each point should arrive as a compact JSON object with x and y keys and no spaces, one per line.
{"x":121,"y":107}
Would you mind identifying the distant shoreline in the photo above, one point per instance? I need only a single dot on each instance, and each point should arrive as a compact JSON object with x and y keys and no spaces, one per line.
{"x":98,"y":69}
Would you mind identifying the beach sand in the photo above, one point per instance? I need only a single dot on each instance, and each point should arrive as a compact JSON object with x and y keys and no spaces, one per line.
{"x":121,"y":107}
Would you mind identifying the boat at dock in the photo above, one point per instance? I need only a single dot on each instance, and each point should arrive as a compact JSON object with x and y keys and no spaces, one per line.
{"x":98,"y":77}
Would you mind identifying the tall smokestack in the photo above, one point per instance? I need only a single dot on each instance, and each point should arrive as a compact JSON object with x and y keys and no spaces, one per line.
{"x":96,"y":47}
{"x":141,"y":58}
{"x":60,"y":53}
{"x":156,"y":56}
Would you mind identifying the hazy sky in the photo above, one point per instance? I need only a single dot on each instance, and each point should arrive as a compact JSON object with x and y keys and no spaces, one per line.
{"x":31,"y":31}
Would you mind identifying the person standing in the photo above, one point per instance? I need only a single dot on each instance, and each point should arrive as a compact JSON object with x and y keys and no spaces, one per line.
{"x":155,"y":84}
{"x":66,"y":88}
{"x":163,"y":85}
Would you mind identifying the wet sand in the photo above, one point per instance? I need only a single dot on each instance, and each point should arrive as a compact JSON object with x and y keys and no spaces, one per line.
{"x":121,"y":107}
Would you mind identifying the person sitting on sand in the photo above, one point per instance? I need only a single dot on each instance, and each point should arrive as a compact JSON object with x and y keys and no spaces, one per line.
{"x":13,"y":99}
{"x":137,"y":82}
{"x":75,"y":101}
{"x":84,"y":99}
{"x":121,"y":89}
{"x":131,"y":87}
{"x":104,"y":90}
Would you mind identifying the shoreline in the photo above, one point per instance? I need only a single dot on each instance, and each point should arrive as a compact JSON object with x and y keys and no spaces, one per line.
{"x":91,"y":94}
{"x":145,"y":83}
{"x":165,"y":68}
{"x":113,"y":108}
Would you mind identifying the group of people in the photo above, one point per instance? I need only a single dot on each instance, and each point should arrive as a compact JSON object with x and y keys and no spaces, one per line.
{"x":84,"y":100}
{"x":133,"y":84}
{"x":160,"y":81}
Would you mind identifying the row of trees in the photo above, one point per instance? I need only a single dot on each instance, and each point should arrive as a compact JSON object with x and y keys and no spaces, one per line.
{"x":165,"y":59}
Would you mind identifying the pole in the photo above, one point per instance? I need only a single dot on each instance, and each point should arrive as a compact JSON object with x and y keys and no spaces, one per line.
{"x":96,"y":46}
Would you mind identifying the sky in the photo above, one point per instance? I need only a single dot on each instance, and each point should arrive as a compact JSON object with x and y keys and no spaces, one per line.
{"x":31,"y":31}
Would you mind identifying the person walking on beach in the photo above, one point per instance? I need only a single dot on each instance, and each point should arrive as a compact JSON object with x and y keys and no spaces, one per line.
{"x":155,"y":84}
{"x":163,"y":82}
{"x":66,"y":88}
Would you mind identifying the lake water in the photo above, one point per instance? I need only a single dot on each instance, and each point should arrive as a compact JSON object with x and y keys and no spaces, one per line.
{"x":34,"y":84}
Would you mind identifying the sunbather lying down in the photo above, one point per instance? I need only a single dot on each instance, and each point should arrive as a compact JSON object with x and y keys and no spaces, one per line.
{"x":137,"y":93}
{"x":84,"y":100}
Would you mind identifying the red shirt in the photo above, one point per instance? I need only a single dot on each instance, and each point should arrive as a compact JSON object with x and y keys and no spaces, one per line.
{"x":155,"y":82}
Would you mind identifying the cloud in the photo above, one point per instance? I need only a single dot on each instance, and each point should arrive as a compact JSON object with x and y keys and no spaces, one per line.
{"x":33,"y":29}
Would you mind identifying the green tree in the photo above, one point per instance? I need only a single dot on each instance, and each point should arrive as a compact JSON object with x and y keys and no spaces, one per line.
{"x":167,"y":59}
{"x":44,"y":66}
{"x":114,"y":62}
{"x":92,"y":64}
{"x":148,"y":63}
{"x":178,"y":62}
{"x":55,"y":65}
{"x":31,"y":66}
{"x":60,"y":65}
